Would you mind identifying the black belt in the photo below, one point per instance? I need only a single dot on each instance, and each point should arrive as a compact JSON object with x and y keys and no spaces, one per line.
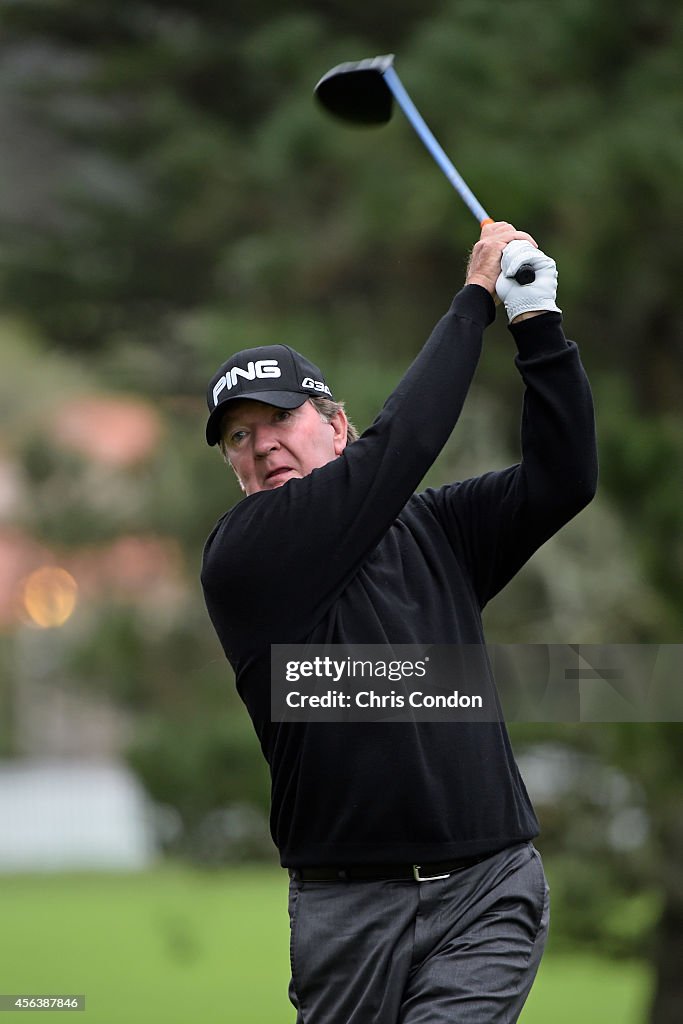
{"x":385,"y":872}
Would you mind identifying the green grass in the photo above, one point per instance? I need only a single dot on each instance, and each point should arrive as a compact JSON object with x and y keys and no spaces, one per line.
{"x":587,"y":990}
{"x":172,"y":946}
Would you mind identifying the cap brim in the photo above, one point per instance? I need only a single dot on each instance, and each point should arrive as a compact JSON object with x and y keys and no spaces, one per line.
{"x":280,"y":399}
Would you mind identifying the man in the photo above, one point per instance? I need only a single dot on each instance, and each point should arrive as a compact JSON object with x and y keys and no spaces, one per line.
{"x":416,"y":894}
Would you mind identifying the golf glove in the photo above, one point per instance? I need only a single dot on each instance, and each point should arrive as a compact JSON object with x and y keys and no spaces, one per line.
{"x":522,"y":298}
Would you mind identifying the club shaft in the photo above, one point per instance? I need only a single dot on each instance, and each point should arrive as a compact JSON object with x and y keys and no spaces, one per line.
{"x":418,"y":123}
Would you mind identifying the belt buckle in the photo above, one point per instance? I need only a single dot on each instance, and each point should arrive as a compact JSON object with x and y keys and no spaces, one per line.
{"x":427,"y":878}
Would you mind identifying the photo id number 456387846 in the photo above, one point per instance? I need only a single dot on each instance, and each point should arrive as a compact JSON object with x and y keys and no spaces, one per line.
{"x":41,"y":1002}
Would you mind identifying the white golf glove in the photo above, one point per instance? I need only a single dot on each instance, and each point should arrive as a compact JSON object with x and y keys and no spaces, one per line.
{"x":523,"y":298}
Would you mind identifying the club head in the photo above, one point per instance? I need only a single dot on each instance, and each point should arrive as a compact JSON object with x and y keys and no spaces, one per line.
{"x":357,"y":92}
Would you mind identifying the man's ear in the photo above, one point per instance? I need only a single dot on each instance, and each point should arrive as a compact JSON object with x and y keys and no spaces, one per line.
{"x":340,"y":425}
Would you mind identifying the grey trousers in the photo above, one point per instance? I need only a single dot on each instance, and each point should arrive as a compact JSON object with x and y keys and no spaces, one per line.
{"x":460,"y":950}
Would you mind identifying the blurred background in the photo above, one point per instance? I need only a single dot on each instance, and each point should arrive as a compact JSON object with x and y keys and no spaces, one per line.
{"x":170,"y":192}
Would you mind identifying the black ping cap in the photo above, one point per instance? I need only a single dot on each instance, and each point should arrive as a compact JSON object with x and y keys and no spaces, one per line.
{"x":274,"y":374}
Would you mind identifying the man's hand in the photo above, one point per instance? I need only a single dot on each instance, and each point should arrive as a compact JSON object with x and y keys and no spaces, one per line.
{"x":484,"y":265}
{"x":523,"y":301}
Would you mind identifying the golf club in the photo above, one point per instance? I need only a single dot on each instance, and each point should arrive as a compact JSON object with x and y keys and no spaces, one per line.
{"x":362,"y":92}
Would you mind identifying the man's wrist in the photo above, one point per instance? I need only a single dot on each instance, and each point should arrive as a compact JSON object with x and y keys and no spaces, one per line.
{"x":476,"y":303}
{"x":539,"y":336}
{"x":483,"y":282}
{"x":527,"y":315}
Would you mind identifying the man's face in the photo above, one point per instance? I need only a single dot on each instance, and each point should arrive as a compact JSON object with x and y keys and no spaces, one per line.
{"x":268,"y":446}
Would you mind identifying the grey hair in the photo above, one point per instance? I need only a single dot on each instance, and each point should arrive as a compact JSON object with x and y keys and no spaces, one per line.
{"x":326,"y":408}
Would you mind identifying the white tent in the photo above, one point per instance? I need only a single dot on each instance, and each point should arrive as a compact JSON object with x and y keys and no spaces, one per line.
{"x":67,"y":815}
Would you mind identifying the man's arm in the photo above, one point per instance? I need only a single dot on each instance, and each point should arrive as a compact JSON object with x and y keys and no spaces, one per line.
{"x":498,"y":520}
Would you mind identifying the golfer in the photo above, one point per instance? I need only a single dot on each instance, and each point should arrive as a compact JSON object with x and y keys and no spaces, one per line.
{"x":416,"y":894}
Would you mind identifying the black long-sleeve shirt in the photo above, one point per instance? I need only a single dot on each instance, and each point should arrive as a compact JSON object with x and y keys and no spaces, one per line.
{"x":350,"y":554}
